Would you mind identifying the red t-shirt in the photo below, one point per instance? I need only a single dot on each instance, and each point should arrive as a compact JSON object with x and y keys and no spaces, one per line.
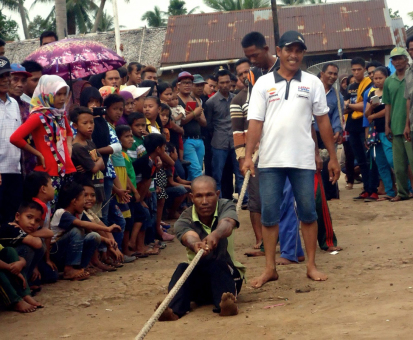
{"x":34,"y":126}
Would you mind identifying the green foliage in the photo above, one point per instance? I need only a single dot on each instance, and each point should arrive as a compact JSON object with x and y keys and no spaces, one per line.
{"x":177,"y":7}
{"x":235,"y":5}
{"x":39,"y":25}
{"x":154,"y":18}
{"x":394,"y":15}
{"x":8,"y":28}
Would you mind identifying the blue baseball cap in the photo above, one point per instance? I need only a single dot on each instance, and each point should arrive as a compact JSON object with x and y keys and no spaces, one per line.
{"x":19,"y":69}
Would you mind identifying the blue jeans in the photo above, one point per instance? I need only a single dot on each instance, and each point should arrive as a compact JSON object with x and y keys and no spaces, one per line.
{"x":368,"y":175}
{"x":219,"y":157}
{"x":194,"y":151}
{"x":32,"y":257}
{"x":272,"y":182}
{"x":180,"y":171}
{"x":115,"y":217}
{"x":384,"y":161}
{"x":289,"y":235}
{"x":75,"y":248}
{"x":108,"y":185}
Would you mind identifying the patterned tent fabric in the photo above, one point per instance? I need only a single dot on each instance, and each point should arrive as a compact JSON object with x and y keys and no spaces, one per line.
{"x":76,"y":57}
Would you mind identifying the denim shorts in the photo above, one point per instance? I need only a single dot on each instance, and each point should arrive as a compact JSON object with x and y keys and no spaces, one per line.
{"x":272,"y":181}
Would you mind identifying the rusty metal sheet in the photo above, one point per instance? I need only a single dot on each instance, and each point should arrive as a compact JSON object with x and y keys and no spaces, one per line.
{"x":326,"y":27}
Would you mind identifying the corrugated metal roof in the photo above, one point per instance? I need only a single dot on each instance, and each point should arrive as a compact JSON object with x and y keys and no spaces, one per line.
{"x":326,"y":27}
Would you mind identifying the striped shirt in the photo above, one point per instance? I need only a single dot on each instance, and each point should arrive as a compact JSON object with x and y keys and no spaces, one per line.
{"x":9,"y":122}
{"x":239,"y":112}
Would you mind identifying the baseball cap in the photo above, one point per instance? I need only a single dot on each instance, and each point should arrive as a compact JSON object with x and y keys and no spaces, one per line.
{"x":398,"y":51}
{"x":136,"y":91}
{"x":291,"y":37}
{"x":198,"y":79}
{"x":17,"y":68}
{"x":184,"y":75}
{"x":5,"y":65}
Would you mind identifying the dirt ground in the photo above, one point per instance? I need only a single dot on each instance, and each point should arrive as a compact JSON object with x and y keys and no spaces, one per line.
{"x":369,"y":293}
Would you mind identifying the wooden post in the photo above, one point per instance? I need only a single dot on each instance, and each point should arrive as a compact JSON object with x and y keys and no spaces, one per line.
{"x":275,"y":21}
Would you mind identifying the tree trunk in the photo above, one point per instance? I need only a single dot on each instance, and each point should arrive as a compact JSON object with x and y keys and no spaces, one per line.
{"x":61,"y":18}
{"x":99,"y":16}
{"x":71,"y":23}
{"x":23,"y":17}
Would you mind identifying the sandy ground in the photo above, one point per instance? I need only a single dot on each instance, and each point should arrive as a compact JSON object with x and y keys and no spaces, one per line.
{"x":369,"y":293}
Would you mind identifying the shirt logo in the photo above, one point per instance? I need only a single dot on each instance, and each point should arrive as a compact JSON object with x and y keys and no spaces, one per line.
{"x":2,"y":63}
{"x":271,"y":91}
{"x":304,"y":89}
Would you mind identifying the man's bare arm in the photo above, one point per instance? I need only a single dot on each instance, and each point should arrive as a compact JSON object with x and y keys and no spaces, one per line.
{"x":253,"y":137}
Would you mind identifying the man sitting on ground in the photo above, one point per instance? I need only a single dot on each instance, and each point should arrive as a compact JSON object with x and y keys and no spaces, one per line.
{"x":207,"y":225}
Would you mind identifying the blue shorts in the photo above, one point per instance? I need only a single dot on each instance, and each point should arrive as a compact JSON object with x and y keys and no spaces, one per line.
{"x":272,"y":181}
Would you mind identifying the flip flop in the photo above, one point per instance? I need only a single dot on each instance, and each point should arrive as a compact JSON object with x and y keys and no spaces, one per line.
{"x":139,"y":255}
{"x":385,"y":198}
{"x":152,"y":251}
{"x":80,"y":276}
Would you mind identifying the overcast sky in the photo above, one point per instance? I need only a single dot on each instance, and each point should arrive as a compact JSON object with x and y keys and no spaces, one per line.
{"x":130,"y":13}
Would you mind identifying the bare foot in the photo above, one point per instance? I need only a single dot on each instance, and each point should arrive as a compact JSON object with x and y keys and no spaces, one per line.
{"x":258,"y":244}
{"x":75,"y":274}
{"x":104,"y":267}
{"x":284,"y":262}
{"x":301,"y":258}
{"x":32,"y":301}
{"x":228,"y":305}
{"x":334,"y":249}
{"x":24,"y":307}
{"x":268,"y":275}
{"x":315,"y":275}
{"x":167,"y":315}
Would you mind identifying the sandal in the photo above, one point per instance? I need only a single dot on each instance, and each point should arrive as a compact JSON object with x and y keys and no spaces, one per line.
{"x":385,"y":198}
{"x":139,"y":255}
{"x":79,"y":276}
{"x":398,"y":199}
{"x":152,"y":251}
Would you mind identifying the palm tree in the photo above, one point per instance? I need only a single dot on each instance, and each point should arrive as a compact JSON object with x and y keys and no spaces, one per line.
{"x":99,"y":15}
{"x":77,"y":14}
{"x":154,"y":18}
{"x":235,"y":5}
{"x":18,"y":6}
{"x":61,"y":17}
{"x":177,"y":7}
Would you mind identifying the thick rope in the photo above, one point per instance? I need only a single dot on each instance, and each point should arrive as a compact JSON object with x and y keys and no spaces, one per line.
{"x":155,"y":316}
{"x":245,"y":184}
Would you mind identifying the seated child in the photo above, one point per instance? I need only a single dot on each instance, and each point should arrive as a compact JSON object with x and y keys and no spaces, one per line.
{"x":139,"y":214}
{"x":72,"y":248}
{"x":18,"y":234}
{"x":38,"y":187}
{"x":177,"y":188}
{"x":85,"y":157}
{"x":15,"y":291}
{"x":108,"y":243}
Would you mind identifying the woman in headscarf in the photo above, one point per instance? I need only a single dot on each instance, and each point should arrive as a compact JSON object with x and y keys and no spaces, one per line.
{"x":47,"y":119}
{"x":128,"y":97}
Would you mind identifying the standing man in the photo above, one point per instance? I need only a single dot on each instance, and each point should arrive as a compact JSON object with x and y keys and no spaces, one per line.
{"x":328,"y":77}
{"x":219,"y":123}
{"x":408,"y":94}
{"x":111,"y":78}
{"x":2,"y":47}
{"x":11,"y":181}
{"x":354,"y":126}
{"x":194,"y":148}
{"x":134,"y":74}
{"x":395,"y":110}
{"x":18,"y":82}
{"x":48,"y":37}
{"x":280,"y":112}
{"x":36,"y":70}
{"x":211,"y":86}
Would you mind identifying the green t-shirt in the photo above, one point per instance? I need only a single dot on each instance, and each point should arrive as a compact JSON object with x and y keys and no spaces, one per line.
{"x":393,"y":94}
{"x":129,"y":168}
{"x":137,"y":150}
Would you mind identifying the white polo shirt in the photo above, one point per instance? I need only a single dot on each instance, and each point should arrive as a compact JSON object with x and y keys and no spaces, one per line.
{"x":286,"y":108}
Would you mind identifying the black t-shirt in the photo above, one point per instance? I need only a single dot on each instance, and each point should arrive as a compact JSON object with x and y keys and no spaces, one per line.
{"x":353,"y":125}
{"x":81,"y":155}
{"x":145,"y":167}
{"x":380,"y":123}
{"x":11,"y":236}
{"x":191,"y":129}
{"x":101,"y":137}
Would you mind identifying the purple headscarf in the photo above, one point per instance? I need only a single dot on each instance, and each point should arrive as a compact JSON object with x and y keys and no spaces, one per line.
{"x":125,"y":95}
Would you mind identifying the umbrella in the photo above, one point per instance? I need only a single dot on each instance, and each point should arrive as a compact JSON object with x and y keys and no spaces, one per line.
{"x":76,"y":58}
